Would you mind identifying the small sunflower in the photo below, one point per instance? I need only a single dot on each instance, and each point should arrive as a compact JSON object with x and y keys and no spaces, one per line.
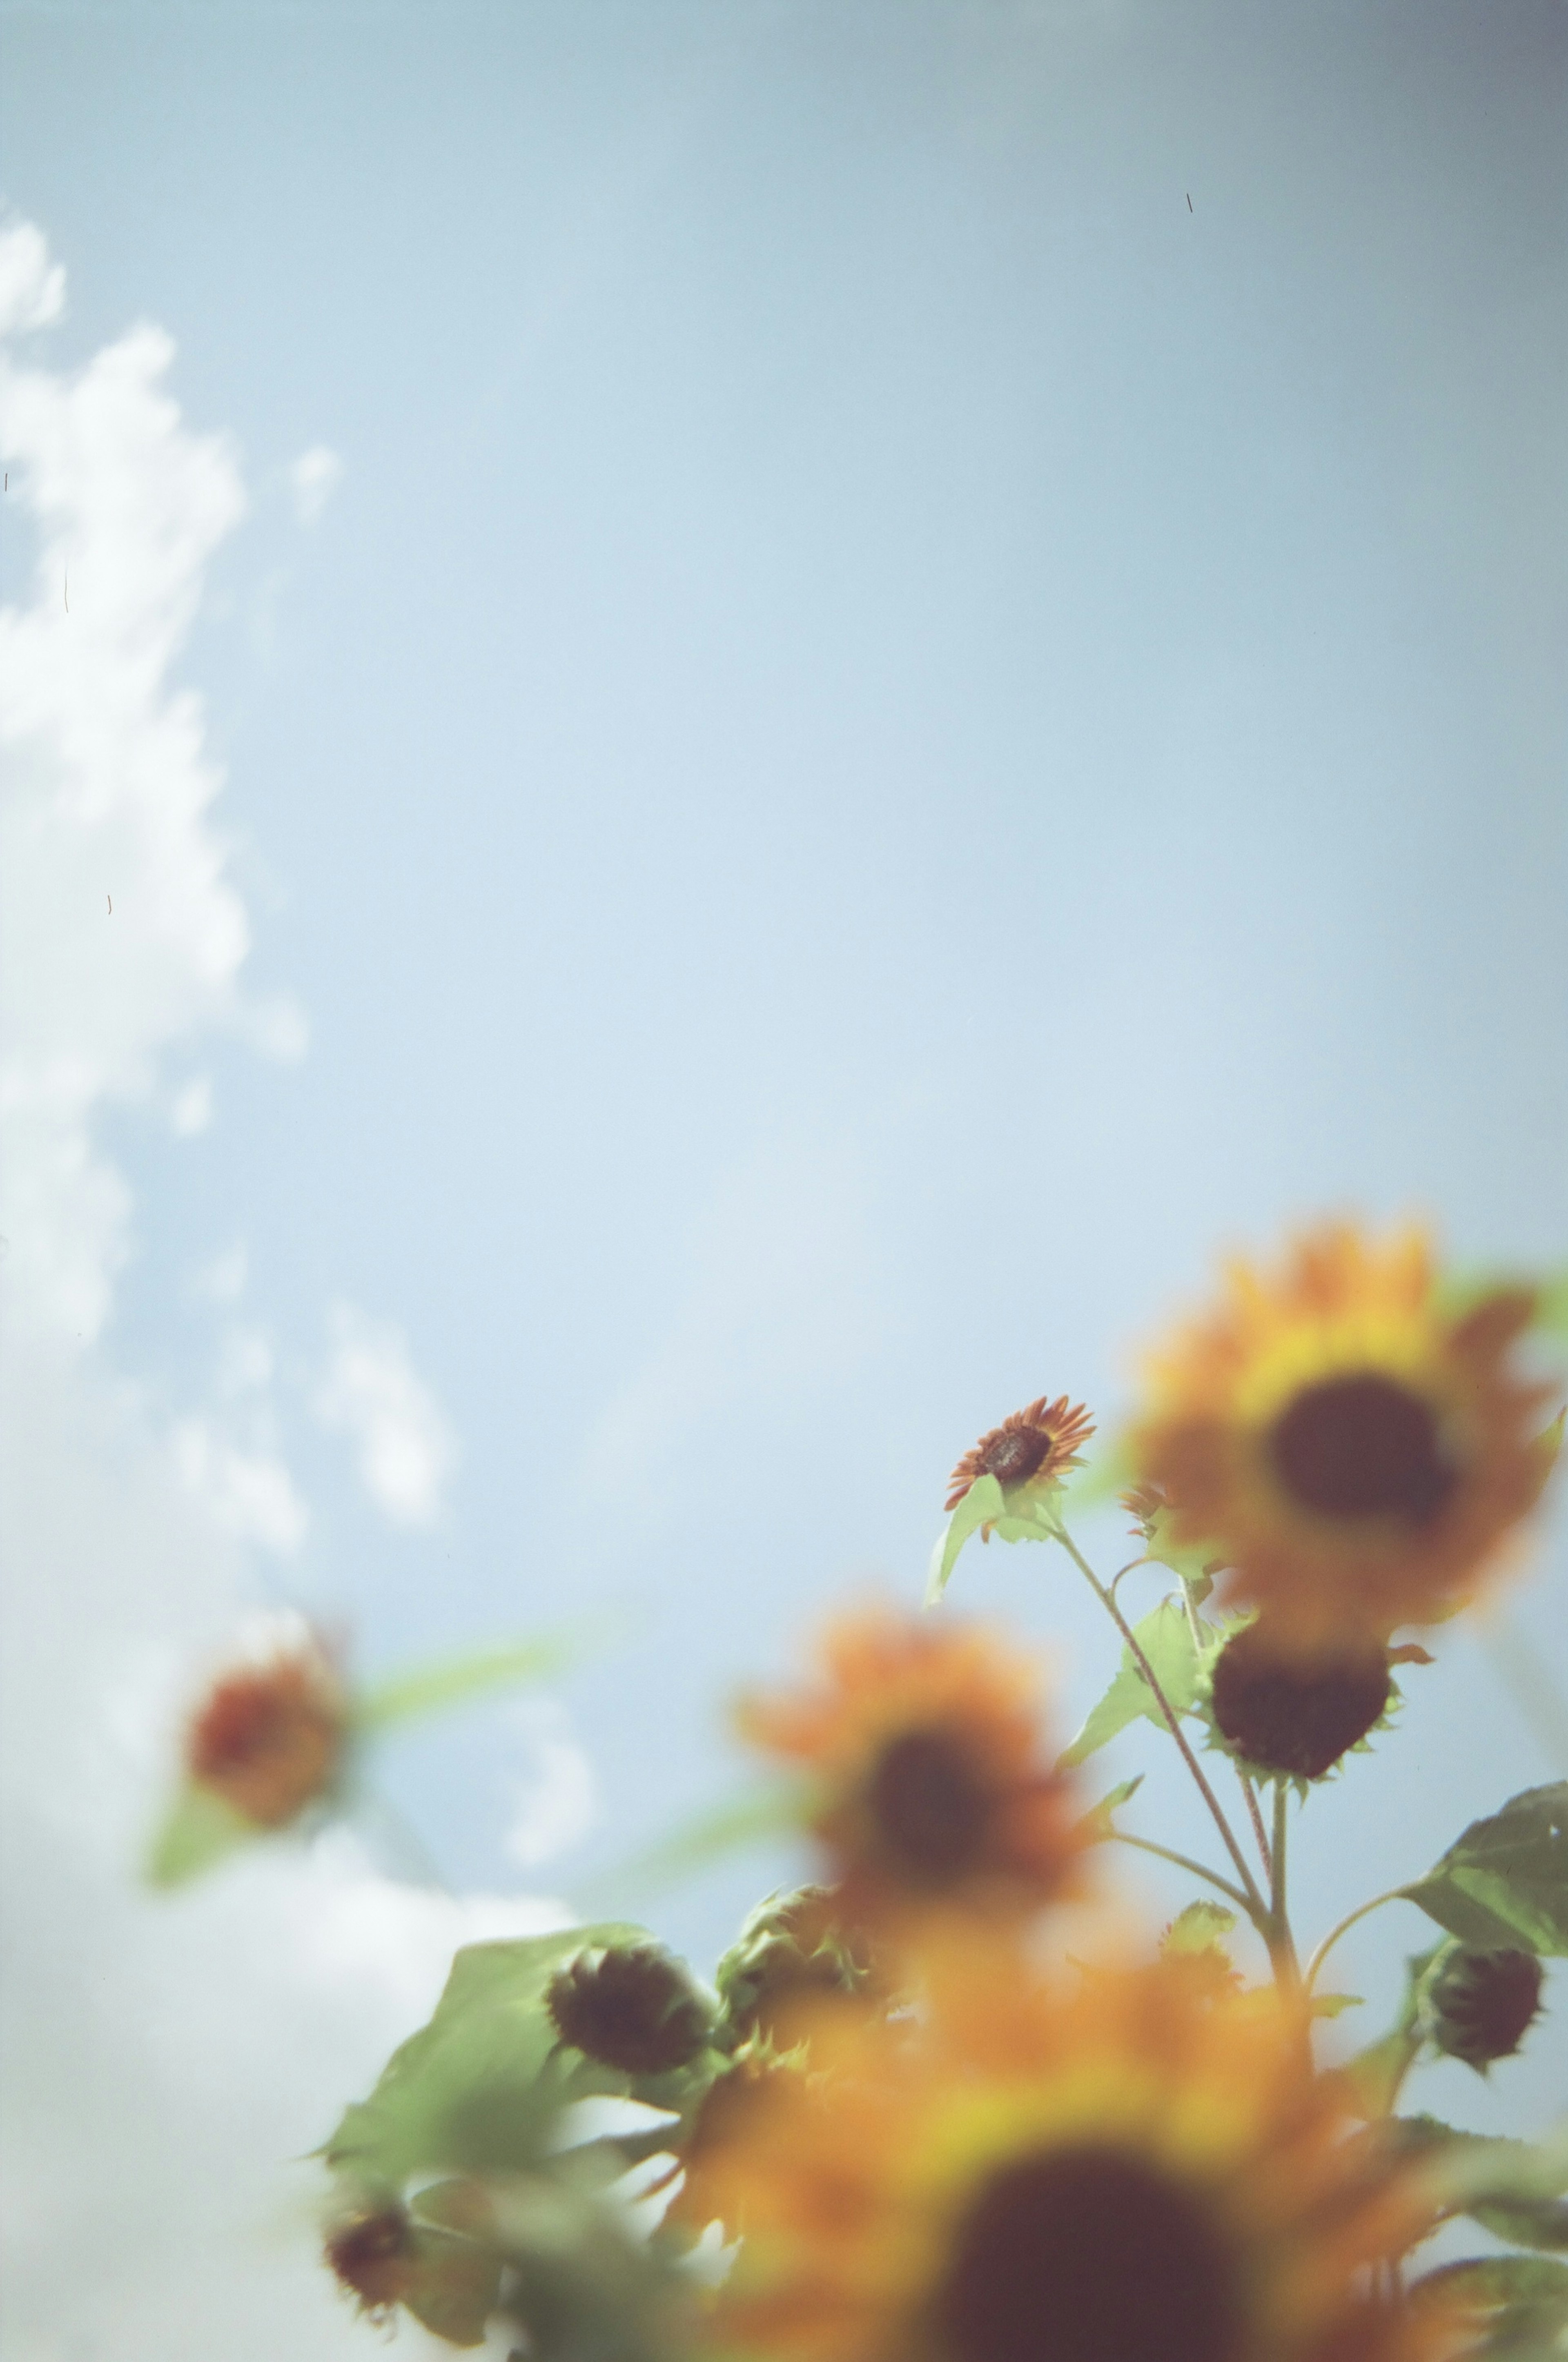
{"x":1135,"y":2172}
{"x":1028,"y":1454}
{"x":269,"y":1739}
{"x":931,"y":1788}
{"x":1352,"y":1453}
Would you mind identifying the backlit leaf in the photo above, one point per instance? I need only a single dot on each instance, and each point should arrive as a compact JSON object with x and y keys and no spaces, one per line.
{"x":1166,"y":1639}
{"x":1504,"y":1882}
{"x":198,"y":1831}
{"x":454,"y":1680}
{"x":982,"y":1501}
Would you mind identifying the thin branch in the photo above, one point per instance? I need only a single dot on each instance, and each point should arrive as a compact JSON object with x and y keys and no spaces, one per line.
{"x":1184,"y":1861}
{"x":1395,"y":1894}
{"x":1251,"y":1794}
{"x":1250,"y":1886}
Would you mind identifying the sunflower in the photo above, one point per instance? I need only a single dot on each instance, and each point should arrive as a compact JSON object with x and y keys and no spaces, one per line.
{"x":1353,"y":1452}
{"x":1028,"y":1454}
{"x":1131,"y":2172}
{"x":931,"y":1790}
{"x":269,"y":1739}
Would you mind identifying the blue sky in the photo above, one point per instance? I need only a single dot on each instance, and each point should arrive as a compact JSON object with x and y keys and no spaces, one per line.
{"x":921,"y":684}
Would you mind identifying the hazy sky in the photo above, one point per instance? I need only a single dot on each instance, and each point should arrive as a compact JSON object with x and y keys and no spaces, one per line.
{"x":783,"y":705}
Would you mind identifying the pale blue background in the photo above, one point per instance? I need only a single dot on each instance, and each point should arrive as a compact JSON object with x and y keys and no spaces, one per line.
{"x":890,"y":738}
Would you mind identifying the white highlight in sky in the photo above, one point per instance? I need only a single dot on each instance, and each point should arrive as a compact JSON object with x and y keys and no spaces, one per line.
{"x":373,"y":1393}
{"x":314,"y":478}
{"x":558,"y":1801}
{"x":32,"y":287}
{"x":249,"y":1494}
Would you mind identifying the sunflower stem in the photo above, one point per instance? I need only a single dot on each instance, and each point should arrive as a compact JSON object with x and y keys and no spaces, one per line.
{"x":1186,"y":1861}
{"x":1393,"y":1894}
{"x":1251,"y":1794}
{"x":1257,"y":1909}
{"x":1281,"y":1943}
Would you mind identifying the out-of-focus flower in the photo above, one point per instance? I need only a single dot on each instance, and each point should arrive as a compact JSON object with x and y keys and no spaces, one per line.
{"x":633,"y":2007}
{"x":1350,"y":1452}
{"x":1137,"y":2171}
{"x":1028,"y":1454}
{"x":931,"y":1789}
{"x":269,"y":1739}
{"x":372,"y":2256}
{"x":1289,"y":1719}
{"x":1483,"y":2004}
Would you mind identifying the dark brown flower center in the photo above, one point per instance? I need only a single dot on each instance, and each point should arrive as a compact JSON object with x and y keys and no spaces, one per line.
{"x":630,"y":2009}
{"x":1014,"y":1453}
{"x":1363,"y":1446}
{"x":1295,"y":1719}
{"x":1083,"y":2256}
{"x":371,"y":2257}
{"x":931,"y":1806}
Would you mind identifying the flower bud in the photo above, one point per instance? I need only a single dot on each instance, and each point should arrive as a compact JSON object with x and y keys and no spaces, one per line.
{"x":631,"y":2007}
{"x":1481,"y":2004}
{"x":372,"y":2255}
{"x":789,"y":1952}
{"x":269,"y":1739}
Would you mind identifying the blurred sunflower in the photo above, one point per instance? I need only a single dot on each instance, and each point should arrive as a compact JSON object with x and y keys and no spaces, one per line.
{"x":269,"y":1739}
{"x":1353,"y":1452}
{"x":1132,"y":2174}
{"x":1028,"y":1454}
{"x":932,"y":1792}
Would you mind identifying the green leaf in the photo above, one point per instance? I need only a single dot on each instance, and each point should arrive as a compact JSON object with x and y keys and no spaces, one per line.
{"x":198,"y":1831}
{"x":1520,"y":2303}
{"x":1166,"y":1639}
{"x":982,"y":1501}
{"x":477,"y":2089}
{"x":1506,"y":1880}
{"x":1111,"y":1472}
{"x":1512,"y":2188}
{"x":454,"y":1680}
{"x":1335,"y":2004}
{"x":1099,"y":1822}
{"x":1201,"y":1928}
{"x":781,"y":1807}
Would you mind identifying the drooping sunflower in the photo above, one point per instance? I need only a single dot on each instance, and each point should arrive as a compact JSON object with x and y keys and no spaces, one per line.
{"x":1136,"y":2172}
{"x":1029,"y":1453}
{"x":1353,"y":1452}
{"x":933,"y":1792}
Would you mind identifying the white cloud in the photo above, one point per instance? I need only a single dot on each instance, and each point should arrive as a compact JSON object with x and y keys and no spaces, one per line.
{"x":163,"y":2062}
{"x":249,"y":1494}
{"x":313,"y":479}
{"x":109,"y":785}
{"x":557,"y":1802}
{"x":192,"y":1109}
{"x":372,"y":1392}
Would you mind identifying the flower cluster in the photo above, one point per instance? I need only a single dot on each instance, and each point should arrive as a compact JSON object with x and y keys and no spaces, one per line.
{"x":938,"y":2105}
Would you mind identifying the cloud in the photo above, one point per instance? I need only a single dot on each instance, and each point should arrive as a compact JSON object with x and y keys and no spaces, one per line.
{"x":314,"y":478}
{"x":557,"y":1802}
{"x":373,"y":1393}
{"x":167,"y":2062}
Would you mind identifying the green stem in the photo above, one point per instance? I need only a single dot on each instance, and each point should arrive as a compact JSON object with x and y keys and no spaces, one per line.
{"x":1395,"y":1894}
{"x":1257,"y":1909}
{"x":1282,"y":1944}
{"x":1186,"y":1861}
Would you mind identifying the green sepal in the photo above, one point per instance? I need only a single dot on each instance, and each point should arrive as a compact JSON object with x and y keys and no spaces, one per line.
{"x":1516,"y":2306}
{"x":1165,"y":1638}
{"x":1505,"y":1881}
{"x":455,"y":1680}
{"x":983,"y":1501}
{"x":199,"y":1830}
{"x":1098,"y":1822}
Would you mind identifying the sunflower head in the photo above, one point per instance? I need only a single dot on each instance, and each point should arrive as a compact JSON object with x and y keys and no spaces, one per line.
{"x":790,"y":1952}
{"x":1028,"y":1454}
{"x":269,"y":1739}
{"x":1285,"y":1717}
{"x":1136,"y":2171}
{"x":1481,"y":2004}
{"x":1353,"y":1452}
{"x":630,"y":2006}
{"x":932,"y":1793}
